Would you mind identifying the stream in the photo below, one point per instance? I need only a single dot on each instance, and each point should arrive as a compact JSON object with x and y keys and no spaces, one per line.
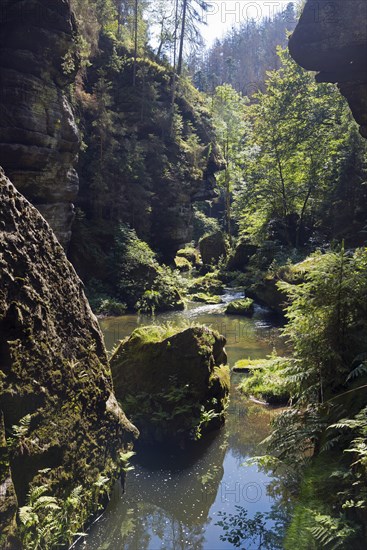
{"x":173,"y":498}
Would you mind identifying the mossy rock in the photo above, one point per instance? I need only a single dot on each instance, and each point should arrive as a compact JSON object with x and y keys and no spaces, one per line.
{"x":266,"y":381}
{"x":191,"y":255}
{"x":208,"y":284}
{"x":247,"y":365}
{"x":171,"y":380}
{"x":55,"y":380}
{"x":207,"y":299}
{"x":183,"y":264}
{"x":213,"y":248}
{"x":243,"y":307}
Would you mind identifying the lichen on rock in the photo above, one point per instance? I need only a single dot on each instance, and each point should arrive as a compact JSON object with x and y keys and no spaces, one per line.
{"x":173,"y":383}
{"x":55,"y":381}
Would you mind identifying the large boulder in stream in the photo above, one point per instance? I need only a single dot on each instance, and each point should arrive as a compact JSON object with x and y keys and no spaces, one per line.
{"x":173,"y":384}
{"x":213,"y":247}
{"x":60,"y":424}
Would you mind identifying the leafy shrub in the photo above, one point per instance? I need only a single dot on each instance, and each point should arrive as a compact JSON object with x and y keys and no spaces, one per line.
{"x":203,"y":224}
{"x":141,"y":282}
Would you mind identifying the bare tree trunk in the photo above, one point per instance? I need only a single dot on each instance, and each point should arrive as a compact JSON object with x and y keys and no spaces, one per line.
{"x":136,"y":15}
{"x":182,"y":38}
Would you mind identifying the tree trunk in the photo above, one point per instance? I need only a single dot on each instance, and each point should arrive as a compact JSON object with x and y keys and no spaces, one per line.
{"x":136,"y":15}
{"x":182,"y":38}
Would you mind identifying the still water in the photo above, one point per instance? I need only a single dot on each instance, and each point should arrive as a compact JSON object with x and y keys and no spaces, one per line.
{"x":172,"y":498}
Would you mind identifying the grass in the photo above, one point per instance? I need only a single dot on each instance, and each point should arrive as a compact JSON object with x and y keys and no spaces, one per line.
{"x":266,"y":380}
{"x":248,"y":364}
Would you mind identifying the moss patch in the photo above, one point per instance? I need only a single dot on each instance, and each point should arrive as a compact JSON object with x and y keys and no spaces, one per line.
{"x":207,"y":299}
{"x":241,"y":307}
{"x":265,"y":381}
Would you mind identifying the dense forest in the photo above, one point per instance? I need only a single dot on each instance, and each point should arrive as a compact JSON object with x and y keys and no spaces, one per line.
{"x":189,"y":172}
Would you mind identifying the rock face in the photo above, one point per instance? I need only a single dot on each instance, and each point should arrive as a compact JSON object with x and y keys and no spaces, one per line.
{"x":213,"y":248}
{"x":39,"y":139}
{"x":154,"y":161}
{"x":241,"y":256}
{"x":167,"y":379}
{"x":331,"y":38}
{"x":54,"y":375}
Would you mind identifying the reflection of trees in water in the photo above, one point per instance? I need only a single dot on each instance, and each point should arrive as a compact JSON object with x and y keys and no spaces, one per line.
{"x":133,"y":527}
{"x":248,"y":424}
{"x":266,"y":530}
{"x":171,"y":504}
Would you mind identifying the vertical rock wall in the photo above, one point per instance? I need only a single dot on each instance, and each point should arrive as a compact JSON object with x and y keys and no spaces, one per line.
{"x":55,"y":380}
{"x":39,"y":139}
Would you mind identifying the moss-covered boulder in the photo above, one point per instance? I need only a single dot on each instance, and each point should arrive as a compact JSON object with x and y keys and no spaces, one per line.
{"x":182,"y":264}
{"x":213,"y":248}
{"x":63,"y":424}
{"x":207,"y":299}
{"x":240,"y":257}
{"x":191,"y":254}
{"x":241,"y":307}
{"x":172,"y":383}
{"x":209,"y":284}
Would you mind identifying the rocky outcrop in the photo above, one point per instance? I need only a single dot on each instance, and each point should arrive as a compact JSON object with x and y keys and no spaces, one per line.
{"x":331,"y":38}
{"x":241,"y":255}
{"x":213,"y":248}
{"x":146,"y":161}
{"x":55,"y":382}
{"x":173,"y":384}
{"x":39,"y":139}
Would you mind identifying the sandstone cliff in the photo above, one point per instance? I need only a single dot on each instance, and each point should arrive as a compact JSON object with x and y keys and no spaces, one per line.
{"x":331,"y":38}
{"x":55,"y":381}
{"x":39,"y":139}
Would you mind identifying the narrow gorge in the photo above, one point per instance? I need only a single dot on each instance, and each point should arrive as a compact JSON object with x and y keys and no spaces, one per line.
{"x":183,"y":229}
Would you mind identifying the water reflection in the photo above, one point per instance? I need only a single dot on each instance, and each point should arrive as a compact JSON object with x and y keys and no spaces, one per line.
{"x":173,"y":498}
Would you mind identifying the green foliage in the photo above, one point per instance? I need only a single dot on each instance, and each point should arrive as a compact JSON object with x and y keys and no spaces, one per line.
{"x":48,"y":522}
{"x":327,"y":330}
{"x":266,"y":380}
{"x":141,"y":282}
{"x":326,"y":323}
{"x":299,"y":133}
{"x":228,"y":109}
{"x":203,"y":224}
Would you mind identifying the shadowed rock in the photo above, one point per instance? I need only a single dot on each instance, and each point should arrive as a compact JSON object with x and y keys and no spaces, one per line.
{"x":331,"y":38}
{"x":166,"y":378}
{"x":39,"y":139}
{"x":55,"y":379}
